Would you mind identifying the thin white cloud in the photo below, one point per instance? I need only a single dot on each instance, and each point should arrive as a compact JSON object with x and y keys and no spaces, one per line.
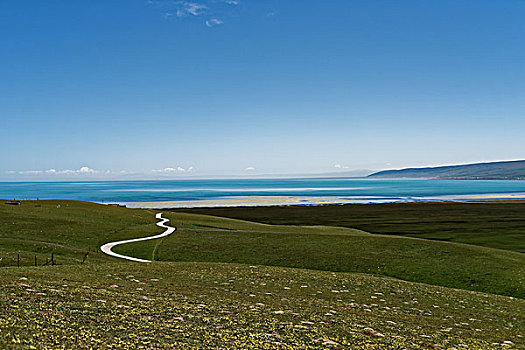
{"x":165,"y":170}
{"x":250,"y":168}
{"x":213,"y":22}
{"x":170,"y":170}
{"x":211,"y":10}
{"x":339,"y":166}
{"x":186,"y":8}
{"x":30,"y":172}
{"x":82,"y":171}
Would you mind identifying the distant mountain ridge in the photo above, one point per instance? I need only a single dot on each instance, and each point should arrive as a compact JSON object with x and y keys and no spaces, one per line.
{"x":508,"y":170}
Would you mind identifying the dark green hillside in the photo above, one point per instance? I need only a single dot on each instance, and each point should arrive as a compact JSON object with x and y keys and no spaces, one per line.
{"x":490,"y":224}
{"x":496,"y":170}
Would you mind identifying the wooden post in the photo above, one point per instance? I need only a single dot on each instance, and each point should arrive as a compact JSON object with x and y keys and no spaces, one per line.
{"x":35,"y":260}
{"x":52,"y":259}
{"x":85,"y":257}
{"x":18,"y":260}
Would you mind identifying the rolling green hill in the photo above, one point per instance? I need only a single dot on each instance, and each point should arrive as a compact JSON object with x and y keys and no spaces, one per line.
{"x":495,"y":170}
{"x":211,"y":239}
{"x":490,"y":224}
{"x":39,"y":228}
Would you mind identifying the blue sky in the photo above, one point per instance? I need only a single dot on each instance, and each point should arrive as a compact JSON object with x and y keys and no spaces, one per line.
{"x":109,"y":88}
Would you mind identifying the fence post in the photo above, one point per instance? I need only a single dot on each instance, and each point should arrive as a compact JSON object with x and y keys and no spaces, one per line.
{"x":18,"y":260}
{"x":52,"y":259}
{"x":35,"y":260}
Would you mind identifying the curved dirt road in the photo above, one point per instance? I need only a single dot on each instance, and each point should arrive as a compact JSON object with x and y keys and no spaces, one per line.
{"x":106,"y":248}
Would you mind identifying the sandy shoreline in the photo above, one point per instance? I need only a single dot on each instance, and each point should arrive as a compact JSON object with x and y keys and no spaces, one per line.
{"x":256,"y":201}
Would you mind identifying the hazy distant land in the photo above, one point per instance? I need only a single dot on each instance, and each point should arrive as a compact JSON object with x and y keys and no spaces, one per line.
{"x":511,"y":170}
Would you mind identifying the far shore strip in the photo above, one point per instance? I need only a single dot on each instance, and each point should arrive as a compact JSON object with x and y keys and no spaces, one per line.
{"x":256,"y":201}
{"x":106,"y":248}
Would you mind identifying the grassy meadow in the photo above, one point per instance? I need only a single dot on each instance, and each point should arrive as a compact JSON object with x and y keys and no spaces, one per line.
{"x":227,"y":283}
{"x":224,"y":306}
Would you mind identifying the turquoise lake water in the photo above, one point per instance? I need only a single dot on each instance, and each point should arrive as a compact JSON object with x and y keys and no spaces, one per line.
{"x":373,"y":190}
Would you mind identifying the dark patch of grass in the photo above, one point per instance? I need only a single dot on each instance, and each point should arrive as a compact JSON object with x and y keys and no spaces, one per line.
{"x":209,"y":226}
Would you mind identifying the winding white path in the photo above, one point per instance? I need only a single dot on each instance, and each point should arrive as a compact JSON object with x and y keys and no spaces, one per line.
{"x":106,"y":248}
